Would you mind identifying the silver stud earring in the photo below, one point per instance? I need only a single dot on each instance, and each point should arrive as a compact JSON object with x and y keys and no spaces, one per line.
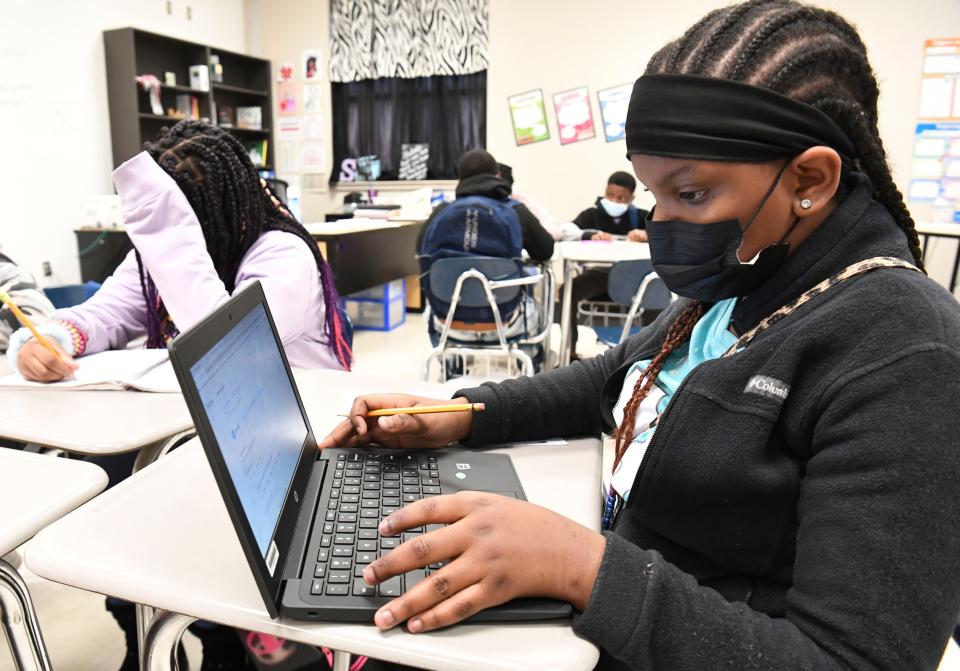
{"x":806,"y":204}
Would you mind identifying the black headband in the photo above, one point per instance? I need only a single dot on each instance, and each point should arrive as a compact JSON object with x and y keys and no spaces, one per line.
{"x":710,"y":119}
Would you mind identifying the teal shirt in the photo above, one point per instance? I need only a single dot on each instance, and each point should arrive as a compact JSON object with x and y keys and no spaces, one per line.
{"x":710,"y":339}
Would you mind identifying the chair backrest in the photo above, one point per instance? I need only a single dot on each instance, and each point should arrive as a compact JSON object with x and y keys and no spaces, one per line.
{"x":625,"y":279}
{"x":68,"y":295}
{"x":279,"y":188}
{"x":473,"y":305}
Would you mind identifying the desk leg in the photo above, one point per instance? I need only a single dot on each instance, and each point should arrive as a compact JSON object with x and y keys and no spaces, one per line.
{"x":146,"y":456}
{"x":149,"y":454}
{"x":569,"y":273}
{"x":159,"y":649}
{"x":20,"y":622}
{"x":341,"y":661}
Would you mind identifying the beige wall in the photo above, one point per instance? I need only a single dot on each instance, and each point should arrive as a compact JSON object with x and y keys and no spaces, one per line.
{"x":556,"y":45}
{"x":559,"y":44}
{"x":53,"y":105}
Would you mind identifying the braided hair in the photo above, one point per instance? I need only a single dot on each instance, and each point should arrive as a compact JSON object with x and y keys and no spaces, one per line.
{"x":234,"y":207}
{"x":805,"y":53}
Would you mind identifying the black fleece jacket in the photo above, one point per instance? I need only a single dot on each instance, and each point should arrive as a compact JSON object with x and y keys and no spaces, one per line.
{"x":595,"y":219}
{"x":816,"y":531}
{"x":536,"y":240}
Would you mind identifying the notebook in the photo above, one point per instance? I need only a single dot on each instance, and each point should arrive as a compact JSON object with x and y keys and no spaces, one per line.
{"x":139,"y":369}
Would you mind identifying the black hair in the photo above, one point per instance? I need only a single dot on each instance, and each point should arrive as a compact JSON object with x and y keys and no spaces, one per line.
{"x":506,"y":173}
{"x":624,"y":179}
{"x":476,"y":162}
{"x":809,"y":54}
{"x":234,"y":207}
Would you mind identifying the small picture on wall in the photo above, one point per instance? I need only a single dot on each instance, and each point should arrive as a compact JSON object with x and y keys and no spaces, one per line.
{"x":613,"y":110}
{"x":529,"y":116}
{"x":574,"y":116}
{"x":285,"y":72}
{"x":311,"y":64}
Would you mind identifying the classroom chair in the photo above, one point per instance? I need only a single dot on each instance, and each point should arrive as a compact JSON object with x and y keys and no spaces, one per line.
{"x":634,"y":285}
{"x":486,"y":291}
{"x":279,"y":188}
{"x":69,"y":295}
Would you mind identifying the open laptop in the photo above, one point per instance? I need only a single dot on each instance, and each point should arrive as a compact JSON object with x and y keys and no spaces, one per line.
{"x":307,"y":519}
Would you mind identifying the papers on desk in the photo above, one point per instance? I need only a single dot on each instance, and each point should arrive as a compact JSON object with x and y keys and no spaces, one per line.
{"x":142,"y":370}
{"x":353,"y":225}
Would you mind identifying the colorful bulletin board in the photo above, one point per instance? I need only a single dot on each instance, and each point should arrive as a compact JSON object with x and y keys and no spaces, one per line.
{"x":613,"y":110}
{"x":935,"y":171}
{"x":529,"y":116}
{"x":574,"y":117}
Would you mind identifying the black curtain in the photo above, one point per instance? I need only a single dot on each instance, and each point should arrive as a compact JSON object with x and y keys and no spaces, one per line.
{"x":377,"y":116}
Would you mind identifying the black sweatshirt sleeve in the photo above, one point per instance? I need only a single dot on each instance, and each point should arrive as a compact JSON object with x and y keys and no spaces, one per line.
{"x":586,"y":221}
{"x":876,"y":581}
{"x":536,"y":240}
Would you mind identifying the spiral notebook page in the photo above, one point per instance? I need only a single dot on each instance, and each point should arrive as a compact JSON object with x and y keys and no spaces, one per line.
{"x":145,"y":369}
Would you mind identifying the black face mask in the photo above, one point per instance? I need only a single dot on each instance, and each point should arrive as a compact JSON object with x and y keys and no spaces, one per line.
{"x":700,"y":261}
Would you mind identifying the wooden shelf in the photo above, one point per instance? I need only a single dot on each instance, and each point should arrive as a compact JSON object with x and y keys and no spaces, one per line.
{"x":237,"y":89}
{"x":184,"y":89}
{"x":160,"y":117}
{"x":129,"y":52}
{"x":257,"y":131}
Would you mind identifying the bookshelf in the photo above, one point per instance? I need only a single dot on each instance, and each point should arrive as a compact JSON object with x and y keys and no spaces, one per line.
{"x":131,"y":52}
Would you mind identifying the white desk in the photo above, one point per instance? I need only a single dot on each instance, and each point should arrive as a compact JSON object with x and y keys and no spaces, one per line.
{"x":578,"y":255}
{"x":35,"y":490}
{"x":163,"y":537}
{"x":91,"y":422}
{"x":942,"y":231}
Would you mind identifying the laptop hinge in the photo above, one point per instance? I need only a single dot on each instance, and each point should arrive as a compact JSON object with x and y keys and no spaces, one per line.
{"x":308,"y":512}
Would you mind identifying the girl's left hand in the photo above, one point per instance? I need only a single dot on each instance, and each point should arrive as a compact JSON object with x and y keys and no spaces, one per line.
{"x":503,"y":549}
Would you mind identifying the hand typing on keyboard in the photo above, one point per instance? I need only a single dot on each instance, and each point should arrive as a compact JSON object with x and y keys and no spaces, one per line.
{"x":503,"y":549}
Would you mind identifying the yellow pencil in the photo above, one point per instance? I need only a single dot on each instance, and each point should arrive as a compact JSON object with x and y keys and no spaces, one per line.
{"x":5,"y":298}
{"x":426,"y":410}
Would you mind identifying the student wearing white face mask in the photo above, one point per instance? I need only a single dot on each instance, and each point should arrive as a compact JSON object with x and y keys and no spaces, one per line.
{"x":614,"y":214}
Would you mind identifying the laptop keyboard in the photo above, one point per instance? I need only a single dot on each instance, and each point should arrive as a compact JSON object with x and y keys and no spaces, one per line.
{"x":366,"y":487}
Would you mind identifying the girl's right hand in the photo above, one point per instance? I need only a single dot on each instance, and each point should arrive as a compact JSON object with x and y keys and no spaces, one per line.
{"x":435,"y":430}
{"x":37,"y":363}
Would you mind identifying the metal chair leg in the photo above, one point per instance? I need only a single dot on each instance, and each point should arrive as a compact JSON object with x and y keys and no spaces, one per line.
{"x":159,"y":649}
{"x":341,"y":661}
{"x":20,"y":624}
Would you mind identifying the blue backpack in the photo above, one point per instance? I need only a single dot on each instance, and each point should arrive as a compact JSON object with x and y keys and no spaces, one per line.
{"x":472,"y":226}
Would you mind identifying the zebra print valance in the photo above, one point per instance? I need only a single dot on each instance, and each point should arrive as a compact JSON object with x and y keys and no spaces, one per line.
{"x":370,"y":39}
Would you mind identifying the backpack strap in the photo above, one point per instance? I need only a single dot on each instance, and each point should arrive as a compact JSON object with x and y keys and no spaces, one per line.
{"x":847,"y":273}
{"x":634,"y":217}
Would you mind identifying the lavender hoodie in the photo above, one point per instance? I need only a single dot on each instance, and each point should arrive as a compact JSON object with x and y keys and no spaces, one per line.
{"x":164,"y":229}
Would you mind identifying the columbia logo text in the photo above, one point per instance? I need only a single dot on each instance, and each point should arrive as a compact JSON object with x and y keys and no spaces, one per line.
{"x":767,"y":386}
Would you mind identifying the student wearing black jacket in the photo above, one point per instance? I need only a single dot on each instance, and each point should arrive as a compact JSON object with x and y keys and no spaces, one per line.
{"x":478,"y":177}
{"x":789,"y":427}
{"x":614,"y":213}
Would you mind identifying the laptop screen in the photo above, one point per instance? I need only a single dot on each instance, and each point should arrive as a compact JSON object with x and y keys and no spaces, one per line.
{"x":254,"y":414}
